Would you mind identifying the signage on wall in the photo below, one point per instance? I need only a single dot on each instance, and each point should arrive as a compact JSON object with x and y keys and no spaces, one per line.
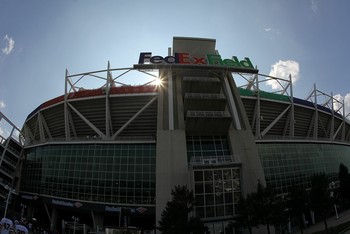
{"x":212,"y":60}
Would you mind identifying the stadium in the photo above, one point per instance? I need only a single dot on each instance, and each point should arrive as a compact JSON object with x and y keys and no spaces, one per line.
{"x":111,"y":154}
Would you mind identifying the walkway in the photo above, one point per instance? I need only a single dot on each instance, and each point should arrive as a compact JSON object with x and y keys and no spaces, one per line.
{"x":332,"y":221}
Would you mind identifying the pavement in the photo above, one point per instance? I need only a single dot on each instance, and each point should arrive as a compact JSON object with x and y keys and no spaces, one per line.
{"x":332,"y":221}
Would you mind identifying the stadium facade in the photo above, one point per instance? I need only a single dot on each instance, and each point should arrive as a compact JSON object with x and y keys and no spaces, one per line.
{"x":111,"y":155}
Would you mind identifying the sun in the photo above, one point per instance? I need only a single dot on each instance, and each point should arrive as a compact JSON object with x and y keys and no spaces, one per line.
{"x":157,"y":81}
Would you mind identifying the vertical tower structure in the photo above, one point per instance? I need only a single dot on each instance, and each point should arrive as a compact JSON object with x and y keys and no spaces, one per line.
{"x":204,"y":139}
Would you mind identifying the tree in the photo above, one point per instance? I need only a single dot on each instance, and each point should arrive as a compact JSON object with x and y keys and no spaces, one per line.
{"x":264,"y":201}
{"x":297,"y":204}
{"x":176,"y":216}
{"x":344,"y":183}
{"x":279,"y":214}
{"x":245,"y":217}
{"x":260,"y":207}
{"x":319,"y":197}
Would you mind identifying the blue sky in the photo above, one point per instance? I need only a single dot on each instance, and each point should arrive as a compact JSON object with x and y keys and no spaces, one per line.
{"x":39,"y":39}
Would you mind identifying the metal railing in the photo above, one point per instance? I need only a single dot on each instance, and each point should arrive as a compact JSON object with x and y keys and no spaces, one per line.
{"x":208,"y":114}
{"x":215,"y":160}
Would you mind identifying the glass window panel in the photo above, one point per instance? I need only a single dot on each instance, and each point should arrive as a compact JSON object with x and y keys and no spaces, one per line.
{"x":209,"y":199}
{"x":199,"y":200}
{"x":227,"y":174}
{"x":198,"y":188}
{"x":198,"y":176}
{"x":208,"y":175}
{"x":209,"y":211}
{"x":220,"y":210}
{"x":200,"y":212}
{"x":219,"y":198}
{"x":229,"y":198}
{"x":209,"y":188}
{"x":228,"y":209}
{"x":218,"y":186}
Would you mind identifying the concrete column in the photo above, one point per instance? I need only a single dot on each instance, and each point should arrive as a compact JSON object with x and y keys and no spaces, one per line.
{"x":97,"y":219}
{"x":53,"y":225}
{"x":172,"y":166}
{"x":243,"y":146}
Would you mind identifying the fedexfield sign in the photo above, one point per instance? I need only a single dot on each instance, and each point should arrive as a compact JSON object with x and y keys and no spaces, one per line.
{"x":146,"y":58}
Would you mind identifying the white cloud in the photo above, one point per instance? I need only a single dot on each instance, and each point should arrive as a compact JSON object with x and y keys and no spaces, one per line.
{"x":2,"y":104}
{"x":282,"y":69}
{"x":314,"y":6}
{"x":10,"y":44}
{"x":346,"y":100}
{"x":271,"y":32}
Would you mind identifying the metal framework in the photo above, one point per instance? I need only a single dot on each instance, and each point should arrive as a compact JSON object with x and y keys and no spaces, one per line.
{"x":99,"y":116}
{"x":101,"y":83}
{"x":11,"y":142}
{"x":323,"y":120}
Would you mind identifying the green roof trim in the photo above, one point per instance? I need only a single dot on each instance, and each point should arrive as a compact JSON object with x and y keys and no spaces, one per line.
{"x":263,"y":94}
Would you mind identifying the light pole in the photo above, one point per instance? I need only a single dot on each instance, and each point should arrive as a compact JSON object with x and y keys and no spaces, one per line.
{"x":11,"y":190}
{"x":75,"y":220}
{"x":331,"y":194}
{"x":22,"y":211}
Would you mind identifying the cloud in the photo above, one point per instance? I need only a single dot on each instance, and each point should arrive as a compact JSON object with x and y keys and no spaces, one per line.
{"x":346,"y":100}
{"x":282,"y":69}
{"x":10,"y":44}
{"x":2,"y":104}
{"x":314,"y":6}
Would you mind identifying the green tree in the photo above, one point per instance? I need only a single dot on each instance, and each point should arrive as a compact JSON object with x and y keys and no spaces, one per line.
{"x":279,"y":213}
{"x":260,"y":207}
{"x":344,"y":183}
{"x":297,"y":204}
{"x":319,"y":197}
{"x":264,"y":202}
{"x":176,"y":216}
{"x":245,"y":217}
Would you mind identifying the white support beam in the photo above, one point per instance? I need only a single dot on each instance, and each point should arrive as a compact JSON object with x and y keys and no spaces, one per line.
{"x":93,"y":127}
{"x":232,"y":103}
{"x":267,"y":129}
{"x":332,"y":119}
{"x":41,"y":128}
{"x":27,"y":132}
{"x":292,"y":116}
{"x":66,"y":120}
{"x":71,"y":123}
{"x":133,"y":117}
{"x":258,"y":114}
{"x":6,"y":146}
{"x":337,"y":131}
{"x":316,"y":113}
{"x":108,"y":114}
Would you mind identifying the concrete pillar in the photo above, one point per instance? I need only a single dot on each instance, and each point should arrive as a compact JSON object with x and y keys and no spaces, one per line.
{"x":97,"y":220}
{"x":243,"y":146}
{"x":53,"y":225}
{"x":172,"y":166}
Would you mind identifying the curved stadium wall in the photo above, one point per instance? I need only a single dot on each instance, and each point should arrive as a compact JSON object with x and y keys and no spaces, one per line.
{"x":117,"y":151}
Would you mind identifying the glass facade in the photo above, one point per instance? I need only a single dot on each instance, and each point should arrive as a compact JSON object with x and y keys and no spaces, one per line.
{"x":288,"y":163}
{"x":207,"y":146}
{"x":216,"y":191}
{"x":216,"y":186}
{"x":103,"y":173}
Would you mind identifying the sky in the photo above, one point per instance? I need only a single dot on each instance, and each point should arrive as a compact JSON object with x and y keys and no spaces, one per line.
{"x":40,"y":39}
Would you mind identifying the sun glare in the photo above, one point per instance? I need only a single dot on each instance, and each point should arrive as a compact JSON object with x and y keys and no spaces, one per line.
{"x":157,"y":81}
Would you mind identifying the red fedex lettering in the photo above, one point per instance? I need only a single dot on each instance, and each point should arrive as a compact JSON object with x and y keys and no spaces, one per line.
{"x":199,"y":60}
{"x":182,"y":58}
